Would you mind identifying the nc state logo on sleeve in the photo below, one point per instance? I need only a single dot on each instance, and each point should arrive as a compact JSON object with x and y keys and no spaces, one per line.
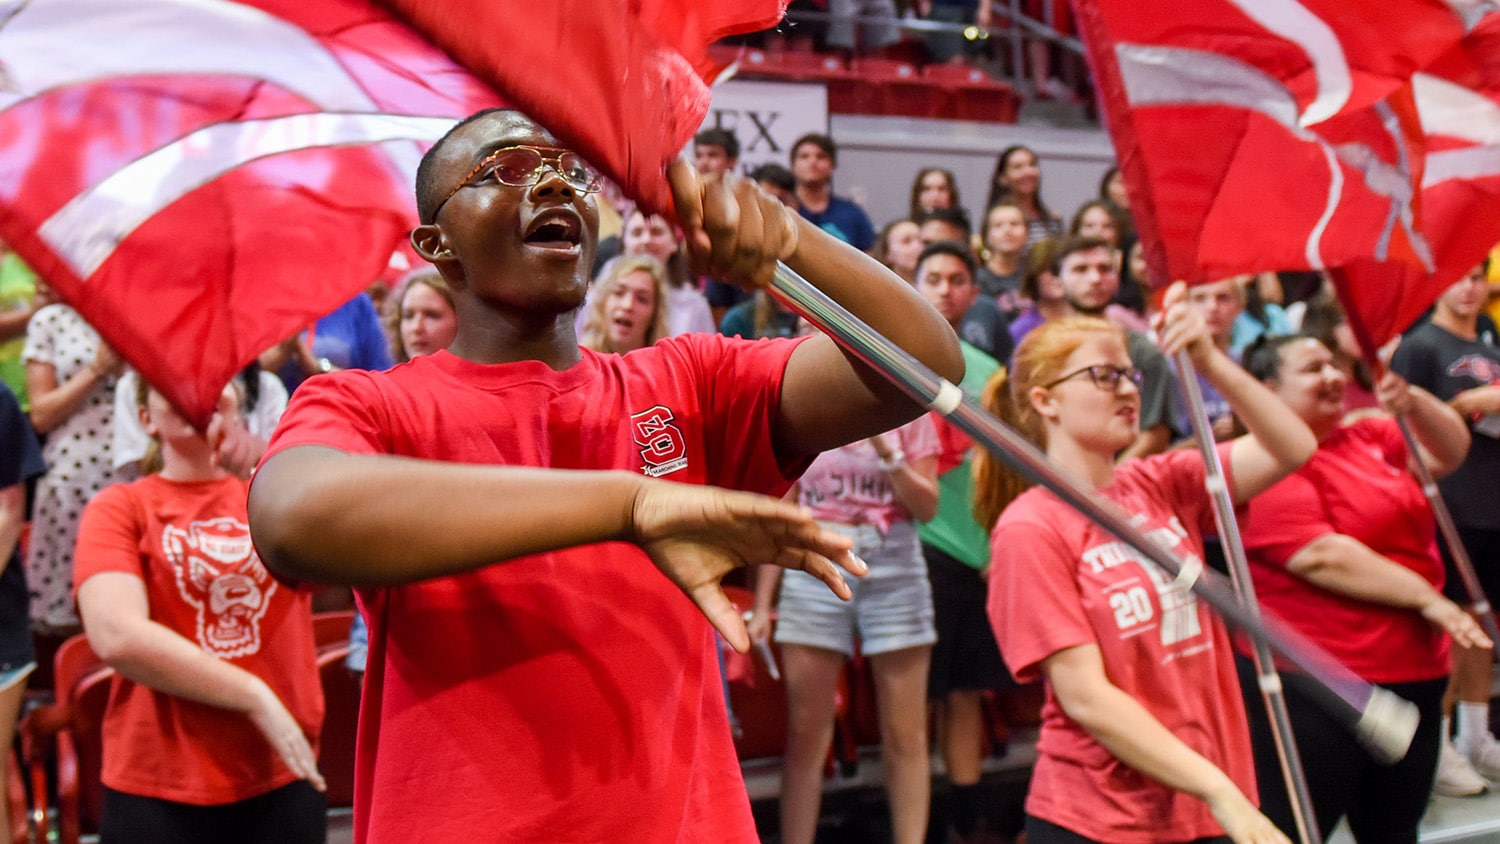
{"x":663,"y":447}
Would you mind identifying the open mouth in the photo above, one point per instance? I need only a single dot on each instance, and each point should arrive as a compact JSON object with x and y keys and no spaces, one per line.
{"x":556,"y":229}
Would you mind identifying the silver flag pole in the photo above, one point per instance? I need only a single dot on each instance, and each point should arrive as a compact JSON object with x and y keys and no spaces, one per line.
{"x":1268,"y":678}
{"x":1479,"y":603}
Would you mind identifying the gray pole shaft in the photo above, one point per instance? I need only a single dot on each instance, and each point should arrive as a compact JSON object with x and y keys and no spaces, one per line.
{"x":1384,"y":722}
{"x":1479,"y":603}
{"x":1268,"y":678}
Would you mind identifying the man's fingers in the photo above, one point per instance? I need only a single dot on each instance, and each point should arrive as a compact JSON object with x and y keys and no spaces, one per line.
{"x":721,"y":220}
{"x":687,"y":195}
{"x":1176,"y":293}
{"x":715,"y":606}
{"x":818,"y":566}
{"x":751,"y":266}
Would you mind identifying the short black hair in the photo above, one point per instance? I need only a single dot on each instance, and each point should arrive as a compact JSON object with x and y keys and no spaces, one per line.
{"x":949,"y":247}
{"x":776,"y":175}
{"x":819,"y":140}
{"x":952,"y":216}
{"x":717,"y":137}
{"x":1073,"y":244}
{"x":427,"y":202}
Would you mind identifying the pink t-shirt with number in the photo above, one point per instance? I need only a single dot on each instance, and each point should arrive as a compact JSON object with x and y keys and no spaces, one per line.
{"x":1059,"y":580}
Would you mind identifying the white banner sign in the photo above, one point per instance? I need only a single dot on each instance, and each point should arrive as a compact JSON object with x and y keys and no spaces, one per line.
{"x":767,"y":117}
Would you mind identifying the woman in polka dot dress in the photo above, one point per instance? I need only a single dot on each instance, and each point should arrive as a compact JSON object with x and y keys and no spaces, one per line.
{"x":70,"y":373}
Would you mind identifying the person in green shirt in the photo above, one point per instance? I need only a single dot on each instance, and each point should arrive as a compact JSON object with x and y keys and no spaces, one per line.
{"x":18,"y":285}
{"x":965,"y":661}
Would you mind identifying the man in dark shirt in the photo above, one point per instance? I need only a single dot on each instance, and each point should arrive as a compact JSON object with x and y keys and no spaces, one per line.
{"x":814,"y":158}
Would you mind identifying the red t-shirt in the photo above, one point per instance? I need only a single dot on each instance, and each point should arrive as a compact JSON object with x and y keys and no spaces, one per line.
{"x":1058,"y":580}
{"x":568,"y":696}
{"x":1356,"y":484}
{"x":190,"y":544}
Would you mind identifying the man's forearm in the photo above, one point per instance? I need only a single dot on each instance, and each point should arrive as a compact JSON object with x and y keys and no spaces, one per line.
{"x":321,"y":515}
{"x":875,"y":294}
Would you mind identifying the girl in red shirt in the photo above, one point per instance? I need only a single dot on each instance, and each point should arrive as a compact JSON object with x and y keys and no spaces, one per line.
{"x":1345,"y":551}
{"x":211,"y":725}
{"x":1143,"y":737}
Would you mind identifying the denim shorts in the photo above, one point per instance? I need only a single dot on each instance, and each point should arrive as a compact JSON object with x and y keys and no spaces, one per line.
{"x":892,"y":605}
{"x":15,"y":675}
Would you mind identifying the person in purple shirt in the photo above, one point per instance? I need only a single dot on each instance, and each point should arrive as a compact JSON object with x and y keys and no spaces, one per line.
{"x":1042,"y":289}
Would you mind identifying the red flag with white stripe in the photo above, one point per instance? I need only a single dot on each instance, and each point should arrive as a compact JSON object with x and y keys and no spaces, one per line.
{"x":1458,"y":100}
{"x":203,"y":178}
{"x":625,"y":82}
{"x":1267,"y":134}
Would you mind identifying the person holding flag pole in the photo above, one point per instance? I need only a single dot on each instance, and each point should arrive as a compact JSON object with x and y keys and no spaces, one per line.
{"x":1142,"y":738}
{"x":1345,"y":551}
{"x":503,"y":506}
{"x":1449,"y":356}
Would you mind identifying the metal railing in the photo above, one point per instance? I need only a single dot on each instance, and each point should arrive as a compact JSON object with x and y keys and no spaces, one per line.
{"x":1021,"y":30}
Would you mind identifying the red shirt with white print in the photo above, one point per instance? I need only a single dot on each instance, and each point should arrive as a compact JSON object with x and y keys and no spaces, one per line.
{"x":189,"y":543}
{"x":1058,"y":580}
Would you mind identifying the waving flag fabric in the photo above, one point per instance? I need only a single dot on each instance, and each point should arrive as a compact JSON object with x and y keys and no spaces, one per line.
{"x":203,"y":178}
{"x":1458,"y":100}
{"x":1267,"y":134}
{"x":622,"y":81}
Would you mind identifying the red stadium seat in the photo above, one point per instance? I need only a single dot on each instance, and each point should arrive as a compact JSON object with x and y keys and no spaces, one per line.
{"x":848,"y":93}
{"x":759,"y":701}
{"x":340,"y":725}
{"x":69,"y":732}
{"x":16,"y":802}
{"x":973,"y":95}
{"x":332,"y":628}
{"x":902,"y":90}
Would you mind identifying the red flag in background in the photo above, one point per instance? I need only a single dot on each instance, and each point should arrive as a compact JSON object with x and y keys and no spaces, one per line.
{"x":622,"y":81}
{"x":201,"y":180}
{"x":1258,"y":135}
{"x":1458,"y":99}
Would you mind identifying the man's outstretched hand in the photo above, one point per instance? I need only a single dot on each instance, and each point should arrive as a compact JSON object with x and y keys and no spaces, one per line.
{"x":698,"y":534}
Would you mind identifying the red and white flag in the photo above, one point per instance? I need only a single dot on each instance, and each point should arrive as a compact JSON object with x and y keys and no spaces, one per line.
{"x":203,"y":178}
{"x":1267,"y":134}
{"x":624,"y":82}
{"x":1458,"y":100}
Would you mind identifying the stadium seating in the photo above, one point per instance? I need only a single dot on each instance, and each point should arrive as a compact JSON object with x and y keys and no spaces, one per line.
{"x":340,"y":723}
{"x":331,"y":629}
{"x":69,"y":733}
{"x":972,"y":95}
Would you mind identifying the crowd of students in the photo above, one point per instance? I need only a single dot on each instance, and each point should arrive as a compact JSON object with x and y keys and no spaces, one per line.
{"x":572,"y":692}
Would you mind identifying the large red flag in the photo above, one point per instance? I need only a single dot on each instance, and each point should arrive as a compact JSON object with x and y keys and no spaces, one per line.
{"x":203,"y":178}
{"x":1458,"y":99}
{"x":1267,"y":134}
{"x":622,"y":81}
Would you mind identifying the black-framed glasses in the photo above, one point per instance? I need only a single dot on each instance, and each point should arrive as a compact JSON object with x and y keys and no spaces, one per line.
{"x":1105,"y":376}
{"x":522,"y":166}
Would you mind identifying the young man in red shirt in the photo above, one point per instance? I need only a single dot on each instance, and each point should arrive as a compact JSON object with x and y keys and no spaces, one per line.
{"x":531,"y":673}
